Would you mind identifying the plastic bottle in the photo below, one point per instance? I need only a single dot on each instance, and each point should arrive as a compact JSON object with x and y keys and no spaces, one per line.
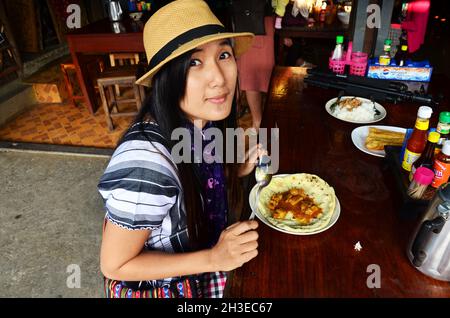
{"x":417,"y":141}
{"x":443,"y":128}
{"x":442,"y":166}
{"x":427,"y":156}
{"x":338,"y":53}
{"x":402,"y":56}
{"x":132,"y":5}
{"x":385,"y":58}
{"x":323,"y":12}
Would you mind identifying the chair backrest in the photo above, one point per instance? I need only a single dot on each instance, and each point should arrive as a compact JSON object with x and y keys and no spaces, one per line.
{"x":123,"y":58}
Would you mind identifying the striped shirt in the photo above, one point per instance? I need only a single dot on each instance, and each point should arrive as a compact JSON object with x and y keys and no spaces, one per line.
{"x":141,"y":190}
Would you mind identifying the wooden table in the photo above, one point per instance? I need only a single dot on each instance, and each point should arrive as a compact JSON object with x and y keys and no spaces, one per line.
{"x":99,"y":38}
{"x":326,"y":264}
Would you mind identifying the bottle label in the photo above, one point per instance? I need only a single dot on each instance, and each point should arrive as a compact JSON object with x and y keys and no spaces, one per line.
{"x":441,"y":173}
{"x":443,"y":128}
{"x":409,"y":159}
{"x":422,"y":124}
{"x":384,"y":60}
{"x":440,"y":142}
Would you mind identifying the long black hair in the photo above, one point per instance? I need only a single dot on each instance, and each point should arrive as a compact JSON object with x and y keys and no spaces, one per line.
{"x":163,"y":106}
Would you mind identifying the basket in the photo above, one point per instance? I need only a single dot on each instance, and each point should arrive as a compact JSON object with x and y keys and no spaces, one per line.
{"x":337,"y":66}
{"x":358,"y":64}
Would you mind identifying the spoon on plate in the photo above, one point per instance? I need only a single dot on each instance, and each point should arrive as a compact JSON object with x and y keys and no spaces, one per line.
{"x":263,"y":177}
{"x":377,"y":112}
{"x":336,"y":103}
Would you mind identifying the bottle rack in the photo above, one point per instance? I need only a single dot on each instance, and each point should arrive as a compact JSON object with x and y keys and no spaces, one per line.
{"x":356,"y":60}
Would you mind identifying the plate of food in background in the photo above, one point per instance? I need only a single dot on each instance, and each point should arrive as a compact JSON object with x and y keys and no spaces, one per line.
{"x":299,"y":204}
{"x":355,"y":110}
{"x":372,"y":139}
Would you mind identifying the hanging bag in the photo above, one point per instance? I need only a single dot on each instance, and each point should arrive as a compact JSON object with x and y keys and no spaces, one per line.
{"x":248,"y":16}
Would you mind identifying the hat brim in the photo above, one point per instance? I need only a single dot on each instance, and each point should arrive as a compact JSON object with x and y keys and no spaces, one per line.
{"x":245,"y":41}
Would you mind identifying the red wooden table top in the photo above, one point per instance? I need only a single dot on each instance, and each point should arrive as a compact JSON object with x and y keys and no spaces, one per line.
{"x":326,"y":264}
{"x":109,"y":37}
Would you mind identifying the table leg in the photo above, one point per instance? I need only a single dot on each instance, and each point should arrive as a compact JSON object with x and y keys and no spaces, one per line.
{"x":113,"y":99}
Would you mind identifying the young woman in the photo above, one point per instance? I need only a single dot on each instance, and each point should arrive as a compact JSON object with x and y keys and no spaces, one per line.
{"x":166,"y":231}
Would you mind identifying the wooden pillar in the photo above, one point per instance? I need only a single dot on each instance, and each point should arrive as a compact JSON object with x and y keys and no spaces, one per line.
{"x":387,"y":6}
{"x":360,"y":24}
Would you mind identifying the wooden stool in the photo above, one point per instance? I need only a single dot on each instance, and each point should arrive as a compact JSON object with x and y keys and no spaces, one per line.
{"x":121,"y":76}
{"x":123,"y":59}
{"x":64,"y":68}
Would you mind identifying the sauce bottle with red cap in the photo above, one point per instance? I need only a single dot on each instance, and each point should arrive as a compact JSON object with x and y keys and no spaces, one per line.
{"x":418,"y":140}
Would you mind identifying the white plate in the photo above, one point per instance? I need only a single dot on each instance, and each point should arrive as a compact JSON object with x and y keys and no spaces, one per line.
{"x":360,"y":134}
{"x":334,"y":217}
{"x":364,"y":100}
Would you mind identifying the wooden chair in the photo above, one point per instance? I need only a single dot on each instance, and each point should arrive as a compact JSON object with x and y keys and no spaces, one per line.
{"x":97,"y":64}
{"x":120,"y":76}
{"x":65,"y":67}
{"x":121,"y":59}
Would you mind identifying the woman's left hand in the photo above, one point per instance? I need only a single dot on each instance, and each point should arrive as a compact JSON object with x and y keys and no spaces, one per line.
{"x":251,"y":159}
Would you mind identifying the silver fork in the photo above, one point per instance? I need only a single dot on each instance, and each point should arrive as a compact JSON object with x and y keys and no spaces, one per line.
{"x":263,"y":177}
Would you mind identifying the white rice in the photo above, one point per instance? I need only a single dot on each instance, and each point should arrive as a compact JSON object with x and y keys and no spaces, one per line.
{"x":364,"y":112}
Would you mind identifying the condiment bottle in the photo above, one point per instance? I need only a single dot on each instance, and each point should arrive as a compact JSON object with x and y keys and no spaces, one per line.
{"x":443,"y":128}
{"x":385,"y":58}
{"x":442,"y":166}
{"x":131,"y":5}
{"x":338,"y":53}
{"x":417,"y":141}
{"x":323,"y":12}
{"x":422,"y":179}
{"x":402,"y":55}
{"x":427,"y":156}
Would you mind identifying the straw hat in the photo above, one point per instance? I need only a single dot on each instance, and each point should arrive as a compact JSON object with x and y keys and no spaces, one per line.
{"x":179,"y":27}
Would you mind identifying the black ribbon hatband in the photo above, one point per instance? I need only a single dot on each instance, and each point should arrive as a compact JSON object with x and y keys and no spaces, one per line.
{"x":184,"y":38}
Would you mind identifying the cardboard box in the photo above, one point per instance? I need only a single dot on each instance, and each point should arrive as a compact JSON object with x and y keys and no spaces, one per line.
{"x":415,"y":71}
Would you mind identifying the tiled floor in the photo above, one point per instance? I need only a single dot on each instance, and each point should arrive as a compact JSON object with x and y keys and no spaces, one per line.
{"x":64,"y":124}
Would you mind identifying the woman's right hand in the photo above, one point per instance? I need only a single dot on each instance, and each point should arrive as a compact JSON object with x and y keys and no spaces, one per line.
{"x":237,"y":245}
{"x":288,"y":42}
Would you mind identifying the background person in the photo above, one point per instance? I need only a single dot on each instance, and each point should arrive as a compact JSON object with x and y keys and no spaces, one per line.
{"x":255,"y":66}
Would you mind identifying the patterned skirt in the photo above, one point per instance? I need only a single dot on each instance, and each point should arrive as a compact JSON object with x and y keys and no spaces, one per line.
{"x":207,"y":285}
